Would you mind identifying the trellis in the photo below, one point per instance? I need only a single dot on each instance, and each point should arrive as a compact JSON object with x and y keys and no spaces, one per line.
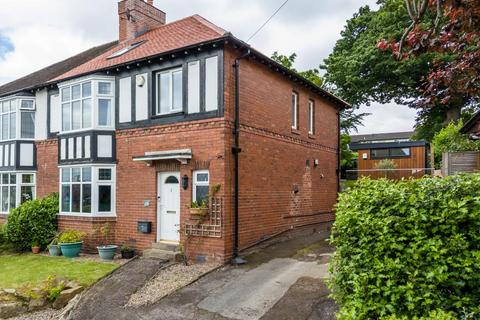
{"x":211,"y":226}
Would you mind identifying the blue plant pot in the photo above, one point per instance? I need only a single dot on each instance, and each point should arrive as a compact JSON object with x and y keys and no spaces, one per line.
{"x":54,"y":250}
{"x":71,"y":250}
{"x":107,"y":252}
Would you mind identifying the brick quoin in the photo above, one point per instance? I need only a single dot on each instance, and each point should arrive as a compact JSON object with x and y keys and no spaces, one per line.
{"x":280,"y":187}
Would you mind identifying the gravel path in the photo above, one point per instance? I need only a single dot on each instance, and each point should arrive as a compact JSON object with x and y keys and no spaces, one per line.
{"x":168,"y":280}
{"x":48,"y":314}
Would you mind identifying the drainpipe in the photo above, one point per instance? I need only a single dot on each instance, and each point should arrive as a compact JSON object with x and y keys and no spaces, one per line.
{"x":236,"y":260}
{"x":339,"y":153}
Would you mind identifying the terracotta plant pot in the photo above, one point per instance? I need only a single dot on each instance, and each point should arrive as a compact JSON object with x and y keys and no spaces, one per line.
{"x":198,"y":213}
{"x":35,"y":250}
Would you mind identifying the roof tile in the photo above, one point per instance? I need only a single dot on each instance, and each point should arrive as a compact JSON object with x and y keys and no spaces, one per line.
{"x":181,"y":33}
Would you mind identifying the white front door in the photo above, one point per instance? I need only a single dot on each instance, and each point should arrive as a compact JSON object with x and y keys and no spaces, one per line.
{"x":168,"y":206}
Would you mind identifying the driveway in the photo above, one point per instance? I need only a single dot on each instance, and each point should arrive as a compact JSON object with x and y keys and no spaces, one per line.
{"x":280,"y":281}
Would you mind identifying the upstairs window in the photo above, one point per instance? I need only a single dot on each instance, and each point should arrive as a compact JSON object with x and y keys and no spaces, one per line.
{"x":77,"y":106}
{"x":294,"y":110}
{"x":169,"y":91}
{"x":8,"y":115}
{"x":311,"y":117}
{"x":87,"y":105}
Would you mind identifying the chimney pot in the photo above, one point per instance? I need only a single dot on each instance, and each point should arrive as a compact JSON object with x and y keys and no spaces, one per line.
{"x":137,"y":17}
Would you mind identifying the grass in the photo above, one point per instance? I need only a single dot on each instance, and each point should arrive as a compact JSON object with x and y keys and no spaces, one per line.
{"x":28,"y":270}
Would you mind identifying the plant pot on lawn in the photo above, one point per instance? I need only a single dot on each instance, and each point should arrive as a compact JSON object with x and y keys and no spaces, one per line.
{"x":71,"y":243}
{"x":107,"y":251}
{"x":54,"y":250}
{"x":35,"y":249}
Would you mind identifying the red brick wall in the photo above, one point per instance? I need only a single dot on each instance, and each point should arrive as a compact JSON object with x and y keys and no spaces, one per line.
{"x":273,"y":158}
{"x":47,"y":167}
{"x":137,"y":182}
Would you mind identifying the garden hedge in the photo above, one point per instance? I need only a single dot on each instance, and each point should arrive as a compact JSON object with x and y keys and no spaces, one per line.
{"x":408,"y":249}
{"x":34,"y":221}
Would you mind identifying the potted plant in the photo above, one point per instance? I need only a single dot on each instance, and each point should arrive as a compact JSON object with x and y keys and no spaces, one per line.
{"x":70,"y":243}
{"x":198,"y":210}
{"x":106,"y":252}
{"x":35,"y":247}
{"x":54,"y":248}
{"x":127,"y":252}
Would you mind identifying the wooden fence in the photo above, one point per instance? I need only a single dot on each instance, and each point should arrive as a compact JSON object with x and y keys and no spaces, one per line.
{"x":459,"y":162}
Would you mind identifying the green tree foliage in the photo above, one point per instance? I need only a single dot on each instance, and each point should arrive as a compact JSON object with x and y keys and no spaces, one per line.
{"x":33,"y":221}
{"x":346,"y":155}
{"x":450,"y":139}
{"x":408,"y":249}
{"x":361,"y":73}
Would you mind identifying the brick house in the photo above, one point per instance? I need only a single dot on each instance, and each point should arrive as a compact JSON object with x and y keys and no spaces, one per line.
{"x":132,"y":132}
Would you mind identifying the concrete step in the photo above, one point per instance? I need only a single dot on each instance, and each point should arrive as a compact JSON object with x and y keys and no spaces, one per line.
{"x":162,"y":254}
{"x":166,"y":246}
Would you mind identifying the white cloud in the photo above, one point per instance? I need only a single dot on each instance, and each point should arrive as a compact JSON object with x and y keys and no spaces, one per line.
{"x":45,"y":32}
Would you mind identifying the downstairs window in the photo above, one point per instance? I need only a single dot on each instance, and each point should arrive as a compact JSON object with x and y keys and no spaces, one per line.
{"x":87,"y":190}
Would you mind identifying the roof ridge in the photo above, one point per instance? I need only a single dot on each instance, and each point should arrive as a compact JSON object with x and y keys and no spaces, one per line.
{"x":209,"y":24}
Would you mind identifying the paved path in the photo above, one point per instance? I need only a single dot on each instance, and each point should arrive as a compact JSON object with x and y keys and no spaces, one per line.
{"x":105,"y":300}
{"x":260,"y":288}
{"x":284,"y":281}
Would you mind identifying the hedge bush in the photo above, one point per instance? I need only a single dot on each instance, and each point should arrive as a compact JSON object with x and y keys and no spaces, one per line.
{"x":408,"y":249}
{"x":33,"y":221}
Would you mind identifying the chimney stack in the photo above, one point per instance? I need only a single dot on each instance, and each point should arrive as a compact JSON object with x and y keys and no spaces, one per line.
{"x":137,"y":17}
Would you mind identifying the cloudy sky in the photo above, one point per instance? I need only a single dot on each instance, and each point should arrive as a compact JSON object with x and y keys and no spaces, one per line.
{"x":37,"y":33}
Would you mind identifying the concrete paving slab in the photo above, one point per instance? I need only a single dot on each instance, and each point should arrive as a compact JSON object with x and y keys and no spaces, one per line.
{"x":252,"y":294}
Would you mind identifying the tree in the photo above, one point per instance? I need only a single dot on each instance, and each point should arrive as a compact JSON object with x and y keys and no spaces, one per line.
{"x":363,"y":70}
{"x":349,"y":121}
{"x":451,"y":30}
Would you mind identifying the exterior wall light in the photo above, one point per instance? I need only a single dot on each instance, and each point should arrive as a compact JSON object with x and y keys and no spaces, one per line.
{"x":185,"y":182}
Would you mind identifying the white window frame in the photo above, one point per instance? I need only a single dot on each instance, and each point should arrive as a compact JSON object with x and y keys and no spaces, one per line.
{"x":95,"y":183}
{"x":170,"y":72}
{"x":23,"y":108}
{"x":294,"y":110}
{"x":94,"y":103}
{"x":311,"y":117}
{"x":199,"y":183}
{"x":18,"y":188}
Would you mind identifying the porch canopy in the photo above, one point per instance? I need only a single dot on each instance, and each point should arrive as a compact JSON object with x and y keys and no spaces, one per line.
{"x":181,"y":155}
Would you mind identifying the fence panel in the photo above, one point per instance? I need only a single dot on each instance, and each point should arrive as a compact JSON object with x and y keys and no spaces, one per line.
{"x":460,"y":162}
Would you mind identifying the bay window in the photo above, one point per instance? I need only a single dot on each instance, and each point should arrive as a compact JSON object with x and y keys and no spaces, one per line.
{"x":87,"y":104}
{"x":76,"y":110}
{"x":15,"y":189}
{"x":87,"y":190}
{"x":17,"y":119}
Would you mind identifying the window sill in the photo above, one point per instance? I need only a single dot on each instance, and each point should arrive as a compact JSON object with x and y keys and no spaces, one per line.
{"x":166,"y":115}
{"x":87,"y":215}
{"x":296,"y":131}
{"x":311,"y":136}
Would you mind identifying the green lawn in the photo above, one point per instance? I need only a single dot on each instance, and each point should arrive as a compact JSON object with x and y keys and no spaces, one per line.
{"x":28,"y":270}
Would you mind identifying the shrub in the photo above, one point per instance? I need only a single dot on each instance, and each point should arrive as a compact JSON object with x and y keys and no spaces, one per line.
{"x":449,"y":139}
{"x":71,"y":236}
{"x":407,"y":248}
{"x":33,"y":221}
{"x":3,"y":235}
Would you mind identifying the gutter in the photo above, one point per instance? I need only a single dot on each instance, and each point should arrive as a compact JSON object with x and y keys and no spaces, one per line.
{"x":236,"y":259}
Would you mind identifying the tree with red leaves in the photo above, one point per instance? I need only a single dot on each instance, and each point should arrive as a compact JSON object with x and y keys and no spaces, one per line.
{"x":450,"y":28}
